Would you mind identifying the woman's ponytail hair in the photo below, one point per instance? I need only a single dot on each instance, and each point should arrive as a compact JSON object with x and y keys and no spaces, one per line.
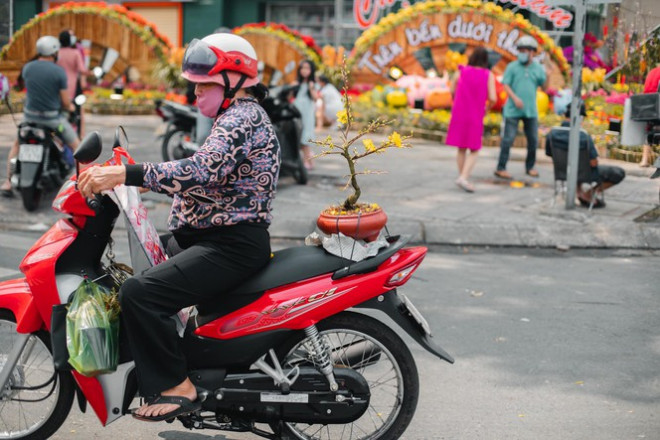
{"x":259,"y":91}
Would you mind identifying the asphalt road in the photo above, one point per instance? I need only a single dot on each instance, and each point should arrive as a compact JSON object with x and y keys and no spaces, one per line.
{"x":548,"y":345}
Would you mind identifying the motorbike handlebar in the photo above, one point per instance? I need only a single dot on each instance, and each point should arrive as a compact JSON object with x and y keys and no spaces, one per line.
{"x":94,"y":202}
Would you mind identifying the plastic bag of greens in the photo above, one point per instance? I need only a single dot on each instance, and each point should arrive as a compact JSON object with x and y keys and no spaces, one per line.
{"x":92,"y":330}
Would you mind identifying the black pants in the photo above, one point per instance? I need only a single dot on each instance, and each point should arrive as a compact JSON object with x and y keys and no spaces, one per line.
{"x":208,"y":265}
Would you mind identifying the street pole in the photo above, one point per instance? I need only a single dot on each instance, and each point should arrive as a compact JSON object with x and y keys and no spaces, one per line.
{"x":579,"y":24}
{"x":11,"y":19}
{"x":580,"y":21}
{"x":339,"y":22}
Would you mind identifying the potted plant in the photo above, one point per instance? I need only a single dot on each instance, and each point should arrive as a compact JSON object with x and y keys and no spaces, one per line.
{"x":359,"y":220}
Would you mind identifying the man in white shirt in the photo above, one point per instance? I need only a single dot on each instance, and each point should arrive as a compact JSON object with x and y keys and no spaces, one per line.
{"x":328,"y":104}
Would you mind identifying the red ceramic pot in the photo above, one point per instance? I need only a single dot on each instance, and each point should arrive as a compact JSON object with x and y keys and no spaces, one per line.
{"x":370,"y":224}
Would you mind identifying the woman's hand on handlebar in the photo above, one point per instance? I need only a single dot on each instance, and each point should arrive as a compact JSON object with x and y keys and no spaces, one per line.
{"x":93,"y":180}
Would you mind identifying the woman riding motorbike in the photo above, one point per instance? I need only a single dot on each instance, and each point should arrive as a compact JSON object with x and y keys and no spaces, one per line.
{"x":219,"y":218}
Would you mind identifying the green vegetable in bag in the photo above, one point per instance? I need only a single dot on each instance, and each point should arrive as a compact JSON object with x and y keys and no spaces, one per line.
{"x":92,"y":330}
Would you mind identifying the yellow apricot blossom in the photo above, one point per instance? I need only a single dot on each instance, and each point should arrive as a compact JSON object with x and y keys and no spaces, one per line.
{"x":369,"y":145}
{"x":395,"y":138}
{"x":342,"y":117}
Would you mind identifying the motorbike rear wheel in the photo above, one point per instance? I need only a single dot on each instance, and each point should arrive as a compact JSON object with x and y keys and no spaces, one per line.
{"x":372,"y":349}
{"x":37,"y":399}
{"x":172,"y":147}
{"x":31,"y":197}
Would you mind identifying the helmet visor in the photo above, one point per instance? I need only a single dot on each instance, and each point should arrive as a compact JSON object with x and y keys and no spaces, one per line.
{"x":198,"y":58}
{"x":203,"y":59}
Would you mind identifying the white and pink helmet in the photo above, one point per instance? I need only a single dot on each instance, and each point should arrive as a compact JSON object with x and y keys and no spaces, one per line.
{"x":205,"y":60}
{"x":225,"y":59}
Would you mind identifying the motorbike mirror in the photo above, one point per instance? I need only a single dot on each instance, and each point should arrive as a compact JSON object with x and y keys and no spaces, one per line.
{"x":80,"y":99}
{"x":121,"y":140}
{"x":89,"y":149}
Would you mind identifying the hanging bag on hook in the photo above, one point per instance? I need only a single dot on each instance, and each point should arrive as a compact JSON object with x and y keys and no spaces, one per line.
{"x":92,"y":330}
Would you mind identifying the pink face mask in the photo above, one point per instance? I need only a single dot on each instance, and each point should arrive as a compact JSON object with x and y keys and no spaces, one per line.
{"x":210,"y":99}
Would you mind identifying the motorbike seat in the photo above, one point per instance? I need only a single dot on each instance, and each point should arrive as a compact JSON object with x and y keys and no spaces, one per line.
{"x":285,"y":267}
{"x":288,"y":266}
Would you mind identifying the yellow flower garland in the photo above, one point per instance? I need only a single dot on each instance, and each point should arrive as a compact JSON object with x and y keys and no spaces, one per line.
{"x":282,"y":35}
{"x":392,"y":20}
{"x":151,"y":37}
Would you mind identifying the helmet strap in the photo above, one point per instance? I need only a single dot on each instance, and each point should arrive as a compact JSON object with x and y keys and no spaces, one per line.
{"x":230,"y":92}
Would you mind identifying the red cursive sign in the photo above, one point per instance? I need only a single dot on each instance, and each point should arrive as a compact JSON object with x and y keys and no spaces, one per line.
{"x":561,"y":18}
{"x":366,"y":12}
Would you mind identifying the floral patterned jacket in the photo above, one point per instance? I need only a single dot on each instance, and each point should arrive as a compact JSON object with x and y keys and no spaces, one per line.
{"x":231,"y":179}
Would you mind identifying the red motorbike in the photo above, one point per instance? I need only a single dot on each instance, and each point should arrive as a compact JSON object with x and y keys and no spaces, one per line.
{"x":288,"y":355}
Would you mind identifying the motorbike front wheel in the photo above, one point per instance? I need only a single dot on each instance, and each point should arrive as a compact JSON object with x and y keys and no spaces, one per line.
{"x":172,"y":147}
{"x":36,"y":399}
{"x":372,"y":349}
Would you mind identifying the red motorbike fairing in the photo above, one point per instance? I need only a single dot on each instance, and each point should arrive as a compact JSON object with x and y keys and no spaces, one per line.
{"x":69,"y":201}
{"x":299,"y":305}
{"x":39,"y":266}
{"x":94,"y":394}
{"x":15,"y":295}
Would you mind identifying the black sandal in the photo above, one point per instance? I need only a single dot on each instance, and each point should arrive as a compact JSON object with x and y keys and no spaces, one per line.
{"x":7,"y":193}
{"x":186,"y":406}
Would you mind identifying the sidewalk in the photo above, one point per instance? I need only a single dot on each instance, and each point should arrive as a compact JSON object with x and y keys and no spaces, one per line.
{"x":420,"y":198}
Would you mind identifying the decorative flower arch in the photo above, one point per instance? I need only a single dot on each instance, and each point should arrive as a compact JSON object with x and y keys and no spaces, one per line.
{"x":431,"y":7}
{"x":303,"y":43}
{"x":144,"y":29}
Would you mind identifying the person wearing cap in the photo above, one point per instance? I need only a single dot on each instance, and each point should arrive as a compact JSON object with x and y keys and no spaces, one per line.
{"x":606,"y":175}
{"x":219,"y":218}
{"x":46,"y":96}
{"x":521,"y":80}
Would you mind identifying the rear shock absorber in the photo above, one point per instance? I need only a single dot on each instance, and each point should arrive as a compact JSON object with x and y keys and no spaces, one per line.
{"x":321,"y":356}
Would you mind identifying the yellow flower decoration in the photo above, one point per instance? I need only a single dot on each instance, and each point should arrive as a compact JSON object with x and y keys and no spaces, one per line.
{"x":428,"y":7}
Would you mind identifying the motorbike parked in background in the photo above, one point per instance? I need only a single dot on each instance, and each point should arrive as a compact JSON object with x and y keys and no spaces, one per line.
{"x":179,"y":133}
{"x":44,"y":161}
{"x":288,"y":128}
{"x":288,"y":348}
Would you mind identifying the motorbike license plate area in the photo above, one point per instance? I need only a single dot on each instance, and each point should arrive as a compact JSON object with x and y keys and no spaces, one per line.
{"x":30,"y":153}
{"x":416,"y":315}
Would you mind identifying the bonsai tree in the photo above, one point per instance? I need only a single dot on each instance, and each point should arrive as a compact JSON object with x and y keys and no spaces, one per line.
{"x":349,"y":148}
